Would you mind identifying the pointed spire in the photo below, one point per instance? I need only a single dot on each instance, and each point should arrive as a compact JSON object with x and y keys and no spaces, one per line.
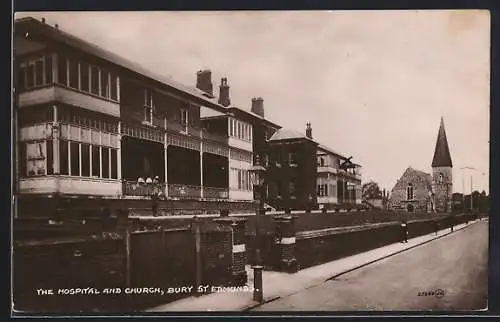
{"x":442,"y":157}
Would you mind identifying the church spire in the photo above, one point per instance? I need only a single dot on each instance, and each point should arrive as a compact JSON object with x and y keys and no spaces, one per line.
{"x":442,"y":156}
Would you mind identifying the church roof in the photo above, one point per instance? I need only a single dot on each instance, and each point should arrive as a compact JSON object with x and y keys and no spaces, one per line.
{"x":442,"y":157}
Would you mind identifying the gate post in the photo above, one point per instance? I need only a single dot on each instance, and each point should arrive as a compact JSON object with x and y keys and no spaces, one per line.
{"x":239,"y":253}
{"x":196,"y":231}
{"x":285,"y":242}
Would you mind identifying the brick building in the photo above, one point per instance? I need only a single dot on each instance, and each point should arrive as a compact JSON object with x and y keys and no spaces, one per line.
{"x":305,"y":174}
{"x":420,"y":191}
{"x":89,"y":124}
{"x":247,"y":132}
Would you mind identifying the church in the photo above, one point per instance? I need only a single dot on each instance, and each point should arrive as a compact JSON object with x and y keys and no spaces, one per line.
{"x":418,"y":191}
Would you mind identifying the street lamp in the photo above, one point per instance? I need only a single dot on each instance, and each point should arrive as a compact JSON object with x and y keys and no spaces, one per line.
{"x":257,"y":178}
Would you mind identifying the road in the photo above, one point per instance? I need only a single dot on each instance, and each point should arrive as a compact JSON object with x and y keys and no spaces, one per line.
{"x":456,"y":264}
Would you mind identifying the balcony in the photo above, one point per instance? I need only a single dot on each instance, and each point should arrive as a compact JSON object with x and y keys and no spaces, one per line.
{"x":183,"y":128}
{"x":132,"y":188}
{"x":184,"y":191}
{"x":327,"y":169}
{"x":58,"y":93}
{"x":215,"y":193}
{"x":214,"y":137}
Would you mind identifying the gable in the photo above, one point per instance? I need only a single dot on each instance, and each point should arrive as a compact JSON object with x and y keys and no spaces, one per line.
{"x":419,"y":180}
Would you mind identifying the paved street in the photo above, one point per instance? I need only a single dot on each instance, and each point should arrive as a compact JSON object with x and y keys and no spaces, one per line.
{"x":456,"y":264}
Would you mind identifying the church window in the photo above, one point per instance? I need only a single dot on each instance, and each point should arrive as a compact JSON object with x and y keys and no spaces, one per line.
{"x":440,"y":178}
{"x":409,"y":192}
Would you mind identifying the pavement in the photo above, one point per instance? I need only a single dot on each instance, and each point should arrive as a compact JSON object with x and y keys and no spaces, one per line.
{"x":278,"y":285}
{"x":449,"y":274}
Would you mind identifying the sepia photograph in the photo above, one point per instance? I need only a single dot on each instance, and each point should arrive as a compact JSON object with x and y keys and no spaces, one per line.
{"x":250,"y":161}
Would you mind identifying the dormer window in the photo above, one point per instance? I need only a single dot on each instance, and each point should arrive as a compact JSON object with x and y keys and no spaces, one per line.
{"x":409,"y":192}
{"x":148,"y":106}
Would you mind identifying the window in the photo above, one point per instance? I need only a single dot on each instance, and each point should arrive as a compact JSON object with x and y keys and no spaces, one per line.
{"x":21,"y":78}
{"x":409,"y":192}
{"x":323,"y":190}
{"x":292,"y":189}
{"x":84,"y":76}
{"x":62,"y":70}
{"x":73,"y":73}
{"x":105,"y":162}
{"x":104,"y":84}
{"x":114,"y":164}
{"x":114,"y":88}
{"x":292,"y":158}
{"x":35,"y":158}
{"x":30,"y":77}
{"x":94,"y":80}
{"x":63,"y":157}
{"x":96,"y":162}
{"x":85,"y":160}
{"x":184,"y":119}
{"x":50,"y":157}
{"x":148,"y":106}
{"x":39,"y":72}
{"x":441,"y":177}
{"x":75,"y":158}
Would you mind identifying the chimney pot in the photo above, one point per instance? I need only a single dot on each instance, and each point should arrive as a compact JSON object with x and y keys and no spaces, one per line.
{"x":308,"y":130}
{"x":224,"y":99}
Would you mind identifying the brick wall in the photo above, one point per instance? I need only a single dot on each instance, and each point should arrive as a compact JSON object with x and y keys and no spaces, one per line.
{"x":80,"y":263}
{"x":314,"y":249}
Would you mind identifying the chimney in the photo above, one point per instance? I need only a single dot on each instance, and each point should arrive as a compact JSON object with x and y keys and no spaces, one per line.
{"x":258,"y":106}
{"x":57,"y":26}
{"x":43,"y":20}
{"x":204,"y":81}
{"x":309,"y":130}
{"x":224,"y":99}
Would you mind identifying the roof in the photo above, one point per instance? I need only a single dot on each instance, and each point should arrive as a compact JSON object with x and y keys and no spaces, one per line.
{"x":90,"y":48}
{"x":206,"y":112}
{"x":288,"y":134}
{"x":442,"y":157}
{"x":424,"y":176}
{"x":257,"y":116}
{"x":327,"y":149}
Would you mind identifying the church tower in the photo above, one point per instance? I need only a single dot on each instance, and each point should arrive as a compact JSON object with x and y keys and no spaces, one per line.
{"x":442,"y":180}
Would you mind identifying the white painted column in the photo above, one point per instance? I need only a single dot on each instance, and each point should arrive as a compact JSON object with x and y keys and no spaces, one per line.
{"x":100,"y":153}
{"x":201,"y":167}
{"x":55,"y":147}
{"x":165,"y":147}
{"x":119,"y":152}
{"x":118,"y":88}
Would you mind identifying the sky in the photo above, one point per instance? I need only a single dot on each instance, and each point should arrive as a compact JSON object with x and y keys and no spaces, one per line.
{"x":373,"y":84}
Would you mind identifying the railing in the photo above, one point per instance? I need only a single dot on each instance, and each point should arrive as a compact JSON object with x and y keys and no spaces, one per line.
{"x":184,"y":191}
{"x":214,"y":137}
{"x":184,"y":129}
{"x":215,"y":193}
{"x":132,"y":188}
{"x":326,"y":169}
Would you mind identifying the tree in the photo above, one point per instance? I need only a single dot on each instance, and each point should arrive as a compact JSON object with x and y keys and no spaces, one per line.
{"x":371,"y":190}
